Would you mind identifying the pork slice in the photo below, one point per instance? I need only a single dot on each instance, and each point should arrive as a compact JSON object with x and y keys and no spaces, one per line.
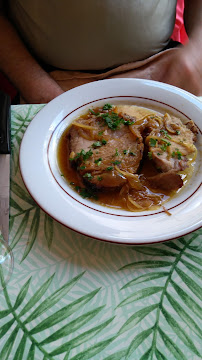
{"x":166,"y":181}
{"x":171,"y":144}
{"x":191,"y":126}
{"x":107,"y":163}
{"x":164,"y":162}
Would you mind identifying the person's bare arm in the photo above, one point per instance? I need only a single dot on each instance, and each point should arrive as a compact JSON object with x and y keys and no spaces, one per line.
{"x":33,"y":83}
{"x":185,"y":68}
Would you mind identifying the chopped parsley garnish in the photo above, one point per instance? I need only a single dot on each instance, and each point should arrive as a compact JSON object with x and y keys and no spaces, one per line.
{"x":109,"y":168}
{"x":87,"y":155}
{"x":125,"y":152}
{"x":152,"y":142}
{"x":62,"y":175}
{"x":107,"y":107}
{"x":93,"y":112}
{"x":128,"y":122}
{"x":112,"y":120}
{"x":82,"y":167}
{"x":132,"y":153}
{"x":100,"y":133}
{"x":88,"y":176}
{"x":165,"y":133}
{"x":116,"y":153}
{"x":96,"y":144}
{"x":178,"y":132}
{"x":83,"y":154}
{"x":150,"y":155}
{"x":116,"y":162}
{"x":99,"y":178}
{"x":165,"y":145}
{"x":98,"y":161}
{"x":85,"y":193}
{"x":166,"y":141}
{"x":104,"y":141}
{"x":177,"y":153}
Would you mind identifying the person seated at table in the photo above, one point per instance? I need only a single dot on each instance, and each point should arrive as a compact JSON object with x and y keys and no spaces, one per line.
{"x":96,"y":39}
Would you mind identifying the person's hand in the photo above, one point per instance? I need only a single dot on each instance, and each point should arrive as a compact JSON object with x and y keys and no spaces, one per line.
{"x":184,"y":70}
{"x":181,"y":67}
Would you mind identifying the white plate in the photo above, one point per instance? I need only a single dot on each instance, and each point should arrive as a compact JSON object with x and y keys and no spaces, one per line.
{"x":43,"y":180}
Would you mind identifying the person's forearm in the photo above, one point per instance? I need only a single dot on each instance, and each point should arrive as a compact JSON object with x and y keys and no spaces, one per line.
{"x":33,"y":83}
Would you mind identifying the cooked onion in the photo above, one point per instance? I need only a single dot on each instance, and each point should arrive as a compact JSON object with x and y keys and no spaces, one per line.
{"x":89,"y":127}
{"x":134,"y":203}
{"x":168,"y":124}
{"x":133,"y":179}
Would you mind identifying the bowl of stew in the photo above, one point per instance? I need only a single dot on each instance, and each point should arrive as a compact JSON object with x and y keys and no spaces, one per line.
{"x":118,"y":160}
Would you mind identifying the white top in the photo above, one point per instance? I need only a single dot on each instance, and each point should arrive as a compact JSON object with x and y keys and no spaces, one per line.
{"x":93,"y":34}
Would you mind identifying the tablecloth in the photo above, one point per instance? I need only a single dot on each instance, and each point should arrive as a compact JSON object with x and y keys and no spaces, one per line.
{"x":76,"y":298}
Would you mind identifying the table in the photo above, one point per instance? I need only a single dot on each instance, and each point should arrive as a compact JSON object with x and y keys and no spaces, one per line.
{"x":73,"y":297}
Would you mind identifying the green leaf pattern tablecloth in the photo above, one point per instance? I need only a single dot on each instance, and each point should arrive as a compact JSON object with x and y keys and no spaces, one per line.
{"x":76,"y":298}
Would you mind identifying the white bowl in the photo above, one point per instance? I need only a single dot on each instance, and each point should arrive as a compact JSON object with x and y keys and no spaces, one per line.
{"x":41,"y":174}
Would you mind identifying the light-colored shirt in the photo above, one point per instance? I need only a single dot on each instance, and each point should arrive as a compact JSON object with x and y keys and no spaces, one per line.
{"x":93,"y":34}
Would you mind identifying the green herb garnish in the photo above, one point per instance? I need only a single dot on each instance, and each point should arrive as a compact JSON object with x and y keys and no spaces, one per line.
{"x":166,"y":141}
{"x":109,"y":168}
{"x":96,"y":144}
{"x":84,"y":155}
{"x":85,"y":193}
{"x":116,"y":162}
{"x":150,"y":155}
{"x":107,"y":107}
{"x":165,"y":145}
{"x":98,"y":161}
{"x":104,"y":141}
{"x":177,"y":153}
{"x":165,"y":133}
{"x":128,"y":122}
{"x":88,"y":176}
{"x":152,"y":142}
{"x":112,"y":120}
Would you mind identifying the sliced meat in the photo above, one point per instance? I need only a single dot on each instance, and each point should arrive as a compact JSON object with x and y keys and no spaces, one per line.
{"x":164,"y":162}
{"x":170,"y":144}
{"x":112,"y":153}
{"x":191,"y":126}
{"x":166,"y":181}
